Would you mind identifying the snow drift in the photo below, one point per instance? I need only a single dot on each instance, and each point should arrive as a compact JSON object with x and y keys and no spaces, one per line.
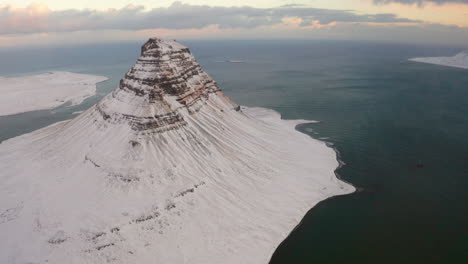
{"x":165,"y":169}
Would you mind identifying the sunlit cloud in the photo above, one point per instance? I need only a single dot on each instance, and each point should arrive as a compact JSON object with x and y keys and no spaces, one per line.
{"x":36,"y":24}
{"x":38,"y":18}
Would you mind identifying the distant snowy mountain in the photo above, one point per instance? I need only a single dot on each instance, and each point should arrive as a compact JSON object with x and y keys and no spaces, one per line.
{"x":459,"y":61}
{"x":165,"y":169}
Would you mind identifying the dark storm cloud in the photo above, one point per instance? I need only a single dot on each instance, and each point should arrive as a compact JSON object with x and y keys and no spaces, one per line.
{"x":176,"y":16}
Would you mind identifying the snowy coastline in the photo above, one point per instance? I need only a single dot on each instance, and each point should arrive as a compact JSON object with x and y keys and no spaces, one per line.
{"x":151,"y":175}
{"x":458,"y":61}
{"x":280,"y":203}
{"x":45,"y":91}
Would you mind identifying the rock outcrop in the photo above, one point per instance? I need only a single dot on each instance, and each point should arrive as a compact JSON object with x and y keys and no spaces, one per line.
{"x":165,"y":80}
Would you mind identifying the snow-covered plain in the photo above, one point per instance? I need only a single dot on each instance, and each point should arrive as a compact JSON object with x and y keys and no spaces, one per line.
{"x":166,"y":169}
{"x":45,"y":91}
{"x":458,"y":61}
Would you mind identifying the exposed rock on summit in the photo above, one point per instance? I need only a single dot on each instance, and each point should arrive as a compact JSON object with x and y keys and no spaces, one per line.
{"x":165,"y":80}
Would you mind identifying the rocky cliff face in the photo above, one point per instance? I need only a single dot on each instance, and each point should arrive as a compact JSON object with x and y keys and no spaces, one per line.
{"x":165,"y":90}
{"x":165,"y":80}
{"x":165,"y":169}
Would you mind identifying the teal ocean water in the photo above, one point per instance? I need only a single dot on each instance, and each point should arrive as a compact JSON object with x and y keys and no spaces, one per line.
{"x":400,"y":128}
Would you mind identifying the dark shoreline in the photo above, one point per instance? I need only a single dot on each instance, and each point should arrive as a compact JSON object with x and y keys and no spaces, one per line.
{"x":341,"y":163}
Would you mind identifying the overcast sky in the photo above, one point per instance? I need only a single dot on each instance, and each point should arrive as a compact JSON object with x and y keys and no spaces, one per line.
{"x":58,"y":22}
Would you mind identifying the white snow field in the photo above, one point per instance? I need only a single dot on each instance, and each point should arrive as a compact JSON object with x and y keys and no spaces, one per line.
{"x":45,"y":91}
{"x":165,"y":169}
{"x":458,"y":61}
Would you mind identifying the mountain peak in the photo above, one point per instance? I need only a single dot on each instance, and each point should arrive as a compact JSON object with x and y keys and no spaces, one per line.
{"x":165,"y":84}
{"x":165,"y":169}
{"x":158,"y":45}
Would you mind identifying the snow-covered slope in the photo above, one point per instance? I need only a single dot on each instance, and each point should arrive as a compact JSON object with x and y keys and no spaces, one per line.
{"x":45,"y":91}
{"x":459,"y":61}
{"x":165,"y":169}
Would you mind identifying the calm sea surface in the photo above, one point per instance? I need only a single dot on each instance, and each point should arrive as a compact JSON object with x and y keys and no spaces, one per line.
{"x":382,"y":113}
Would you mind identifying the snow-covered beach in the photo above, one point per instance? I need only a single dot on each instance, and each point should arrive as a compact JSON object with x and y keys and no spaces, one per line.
{"x":460,"y":60}
{"x":165,"y":169}
{"x":45,"y":91}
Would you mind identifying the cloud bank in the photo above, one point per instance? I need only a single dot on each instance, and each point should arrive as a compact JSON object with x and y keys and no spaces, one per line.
{"x":37,"y":25}
{"x":38,"y":18}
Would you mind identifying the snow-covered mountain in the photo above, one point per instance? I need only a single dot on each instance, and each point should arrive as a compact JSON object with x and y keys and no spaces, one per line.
{"x":165,"y":169}
{"x":459,"y":61}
